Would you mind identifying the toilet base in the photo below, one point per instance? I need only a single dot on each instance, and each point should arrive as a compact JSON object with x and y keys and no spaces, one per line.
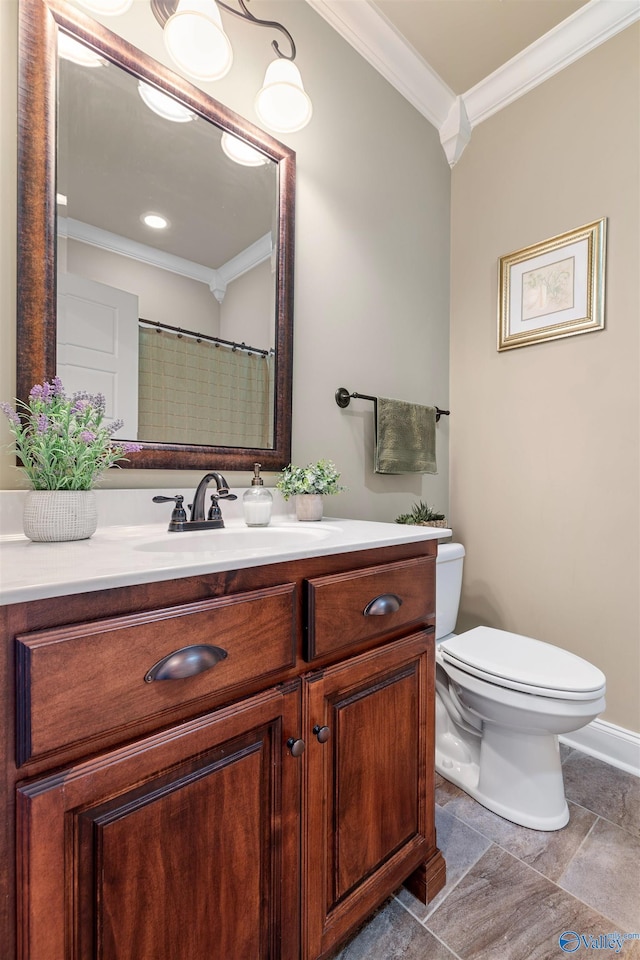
{"x":519,"y":777}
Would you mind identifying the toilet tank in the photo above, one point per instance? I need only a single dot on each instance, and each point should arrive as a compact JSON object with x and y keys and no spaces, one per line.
{"x":448,"y":587}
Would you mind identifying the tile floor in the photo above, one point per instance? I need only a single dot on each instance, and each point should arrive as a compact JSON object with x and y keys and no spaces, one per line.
{"x":511,"y":892}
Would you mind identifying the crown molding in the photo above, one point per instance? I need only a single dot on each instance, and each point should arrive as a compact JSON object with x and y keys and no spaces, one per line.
{"x":570,"y":40}
{"x":247,"y":259}
{"x":216,"y":280}
{"x":114,"y":243}
{"x":455,"y":132}
{"x":244,"y":261}
{"x":376,"y":39}
{"x":370,"y":33}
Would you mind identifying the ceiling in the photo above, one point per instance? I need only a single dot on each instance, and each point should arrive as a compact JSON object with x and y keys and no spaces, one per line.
{"x":460,"y":61}
{"x":466,"y":40}
{"x":117,"y":160}
{"x":457,"y":61}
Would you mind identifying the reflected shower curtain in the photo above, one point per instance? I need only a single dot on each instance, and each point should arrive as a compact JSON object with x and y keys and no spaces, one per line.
{"x":203,"y":393}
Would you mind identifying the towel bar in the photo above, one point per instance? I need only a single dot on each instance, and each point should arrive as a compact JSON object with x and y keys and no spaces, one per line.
{"x":343,"y":399}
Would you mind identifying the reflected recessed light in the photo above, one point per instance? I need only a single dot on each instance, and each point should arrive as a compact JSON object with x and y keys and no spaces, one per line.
{"x":155,"y":220}
{"x":240,"y":152}
{"x":61,"y":200}
{"x":164,"y":105}
{"x":76,"y":52}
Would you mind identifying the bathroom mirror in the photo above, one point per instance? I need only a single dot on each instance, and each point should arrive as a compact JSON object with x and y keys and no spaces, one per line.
{"x":215,"y":289}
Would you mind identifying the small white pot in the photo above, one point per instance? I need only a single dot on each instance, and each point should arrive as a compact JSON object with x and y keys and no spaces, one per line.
{"x":309,"y":506}
{"x":57,"y":515}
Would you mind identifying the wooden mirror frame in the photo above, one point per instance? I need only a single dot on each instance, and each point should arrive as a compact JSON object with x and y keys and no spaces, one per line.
{"x":39,"y":23}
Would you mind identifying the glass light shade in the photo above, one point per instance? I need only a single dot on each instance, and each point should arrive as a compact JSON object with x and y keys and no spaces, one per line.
{"x":76,"y":52}
{"x":107,"y":7}
{"x":240,"y":152}
{"x":282,"y":103}
{"x":196,"y":41}
{"x":164,"y":105}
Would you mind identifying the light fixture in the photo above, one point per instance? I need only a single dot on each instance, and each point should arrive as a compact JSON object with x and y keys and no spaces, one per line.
{"x":282,"y":103}
{"x":76,"y":52}
{"x":240,"y":152}
{"x":164,"y":105}
{"x":155,"y":220}
{"x":196,"y":42}
{"x":109,"y":8}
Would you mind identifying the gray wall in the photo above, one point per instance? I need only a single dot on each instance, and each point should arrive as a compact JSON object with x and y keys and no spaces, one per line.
{"x":372,"y":252}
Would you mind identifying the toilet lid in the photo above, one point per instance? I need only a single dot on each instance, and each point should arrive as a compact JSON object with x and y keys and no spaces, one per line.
{"x":522,"y":663}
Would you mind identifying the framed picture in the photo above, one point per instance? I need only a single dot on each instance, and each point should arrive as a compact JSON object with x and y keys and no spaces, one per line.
{"x":553,"y":289}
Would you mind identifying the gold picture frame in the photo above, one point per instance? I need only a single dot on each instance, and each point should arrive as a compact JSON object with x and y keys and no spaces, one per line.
{"x":553,"y":289}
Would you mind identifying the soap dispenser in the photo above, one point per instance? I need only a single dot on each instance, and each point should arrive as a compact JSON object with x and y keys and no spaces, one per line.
{"x":257,"y":501}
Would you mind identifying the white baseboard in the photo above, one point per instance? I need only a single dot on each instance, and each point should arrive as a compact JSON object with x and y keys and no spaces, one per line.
{"x":606,"y":741}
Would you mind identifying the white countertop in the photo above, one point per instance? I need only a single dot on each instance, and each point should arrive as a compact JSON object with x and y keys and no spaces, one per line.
{"x":118,"y":556}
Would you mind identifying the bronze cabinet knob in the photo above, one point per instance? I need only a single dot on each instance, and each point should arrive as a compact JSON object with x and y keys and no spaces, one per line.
{"x":322,"y":733}
{"x":296,"y":747}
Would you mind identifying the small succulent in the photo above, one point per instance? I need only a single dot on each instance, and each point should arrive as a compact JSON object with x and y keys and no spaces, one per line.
{"x":321,"y":477}
{"x":420,"y":513}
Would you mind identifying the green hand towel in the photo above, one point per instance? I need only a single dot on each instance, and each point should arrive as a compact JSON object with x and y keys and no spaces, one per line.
{"x":405,"y":437}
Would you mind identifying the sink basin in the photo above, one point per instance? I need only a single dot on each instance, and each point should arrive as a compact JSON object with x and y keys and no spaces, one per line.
{"x":255,"y":540}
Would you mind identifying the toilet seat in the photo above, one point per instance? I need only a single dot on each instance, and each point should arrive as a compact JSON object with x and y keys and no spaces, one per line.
{"x":522,"y":663}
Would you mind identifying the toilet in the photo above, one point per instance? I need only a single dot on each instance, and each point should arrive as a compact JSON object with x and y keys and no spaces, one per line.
{"x":501,"y":701}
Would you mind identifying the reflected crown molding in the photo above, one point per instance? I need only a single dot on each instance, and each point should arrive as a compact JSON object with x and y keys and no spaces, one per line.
{"x":216,"y":280}
{"x":246,"y":260}
{"x":375,"y":38}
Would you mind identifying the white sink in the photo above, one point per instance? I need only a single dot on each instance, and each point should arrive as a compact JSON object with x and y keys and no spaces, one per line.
{"x":257,"y":540}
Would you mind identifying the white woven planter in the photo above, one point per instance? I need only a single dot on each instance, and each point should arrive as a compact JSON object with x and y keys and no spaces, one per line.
{"x":309,"y":506}
{"x":57,"y":515}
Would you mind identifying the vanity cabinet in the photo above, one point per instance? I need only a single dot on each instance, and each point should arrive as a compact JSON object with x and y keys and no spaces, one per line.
{"x":182,"y":846}
{"x":261,"y":808}
{"x":369,"y":811}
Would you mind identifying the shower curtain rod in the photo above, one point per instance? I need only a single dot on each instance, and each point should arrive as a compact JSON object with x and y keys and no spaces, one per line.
{"x":203,"y":336}
{"x":343,"y":399}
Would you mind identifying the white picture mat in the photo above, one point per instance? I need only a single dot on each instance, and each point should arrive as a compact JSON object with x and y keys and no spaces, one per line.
{"x":580,"y":252}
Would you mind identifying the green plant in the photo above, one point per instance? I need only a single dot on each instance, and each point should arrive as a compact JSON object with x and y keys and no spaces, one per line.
{"x":63,"y":442}
{"x":321,"y":477}
{"x":420,"y":513}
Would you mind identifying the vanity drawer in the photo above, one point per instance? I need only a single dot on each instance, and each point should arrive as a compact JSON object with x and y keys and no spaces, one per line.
{"x":348,"y":608}
{"x":79,"y":682}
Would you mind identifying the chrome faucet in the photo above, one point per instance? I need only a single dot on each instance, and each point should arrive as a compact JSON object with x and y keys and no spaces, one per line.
{"x":197,"y":520}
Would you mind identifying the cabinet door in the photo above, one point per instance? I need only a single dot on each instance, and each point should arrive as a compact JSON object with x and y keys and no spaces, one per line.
{"x":369,"y":795}
{"x":183,"y":846}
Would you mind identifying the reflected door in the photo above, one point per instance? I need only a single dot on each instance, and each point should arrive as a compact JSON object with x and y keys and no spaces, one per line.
{"x":97,"y":345}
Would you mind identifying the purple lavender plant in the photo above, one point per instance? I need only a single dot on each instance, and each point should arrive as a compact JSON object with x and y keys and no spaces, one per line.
{"x":63,"y":442}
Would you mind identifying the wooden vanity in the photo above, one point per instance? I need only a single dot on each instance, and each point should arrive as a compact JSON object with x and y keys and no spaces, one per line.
{"x":261,"y":808}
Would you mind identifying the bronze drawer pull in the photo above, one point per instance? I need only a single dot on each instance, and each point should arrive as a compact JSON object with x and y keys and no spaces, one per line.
{"x":297,"y":747}
{"x":380,"y":606}
{"x":187,"y":662}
